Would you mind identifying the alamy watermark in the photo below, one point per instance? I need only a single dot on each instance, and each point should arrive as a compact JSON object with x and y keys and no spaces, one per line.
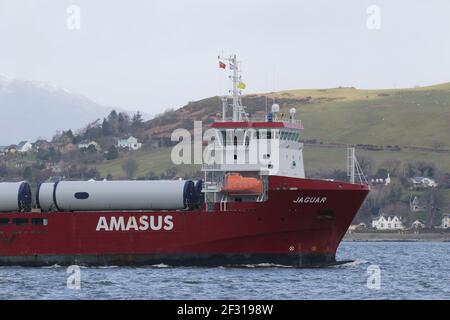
{"x":73,"y":21}
{"x":373,"y":277}
{"x":227,"y":146}
{"x":374,"y":17}
{"x":74,"y":278}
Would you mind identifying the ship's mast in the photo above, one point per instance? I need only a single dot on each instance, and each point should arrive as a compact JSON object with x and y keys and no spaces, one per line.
{"x":236,"y":79}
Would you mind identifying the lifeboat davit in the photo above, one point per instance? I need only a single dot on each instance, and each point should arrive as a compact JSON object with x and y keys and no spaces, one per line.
{"x":235,"y":184}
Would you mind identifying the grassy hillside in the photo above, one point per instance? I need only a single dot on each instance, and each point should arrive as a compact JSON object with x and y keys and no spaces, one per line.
{"x":157,"y":161}
{"x":408,"y":117}
{"x":316,"y":159}
{"x":403,"y":117}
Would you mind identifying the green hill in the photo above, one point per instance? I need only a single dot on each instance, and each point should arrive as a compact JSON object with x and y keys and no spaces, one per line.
{"x":417,"y":120}
{"x":408,"y":117}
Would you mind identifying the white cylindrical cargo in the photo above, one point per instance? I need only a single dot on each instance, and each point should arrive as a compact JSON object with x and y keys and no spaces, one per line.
{"x":15,"y":196}
{"x":44,"y":196}
{"x":123,"y":195}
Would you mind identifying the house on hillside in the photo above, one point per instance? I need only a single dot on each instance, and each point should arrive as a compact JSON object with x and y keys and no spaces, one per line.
{"x":12,"y":149}
{"x":381,"y":181}
{"x":388,"y":223}
{"x":24,"y":146}
{"x":87,"y":144}
{"x":131,"y":143}
{"x":423,"y":182}
{"x":3,"y":150}
{"x":445,"y":224}
{"x":417,"y":225}
{"x":42,"y":144}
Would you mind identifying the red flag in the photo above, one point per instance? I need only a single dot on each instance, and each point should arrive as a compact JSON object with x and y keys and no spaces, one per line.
{"x":222,"y":65}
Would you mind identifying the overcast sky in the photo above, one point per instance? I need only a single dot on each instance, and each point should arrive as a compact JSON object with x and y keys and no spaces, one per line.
{"x":157,"y":54}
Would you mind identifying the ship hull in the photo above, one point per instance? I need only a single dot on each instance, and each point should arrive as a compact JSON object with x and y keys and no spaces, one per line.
{"x":301,"y":224}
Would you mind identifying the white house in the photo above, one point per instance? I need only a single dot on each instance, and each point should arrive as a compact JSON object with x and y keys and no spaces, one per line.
{"x":388,"y":223}
{"x":24,"y":146}
{"x":445,"y":221}
{"x":417,"y":225}
{"x":131,"y":143}
{"x":86,"y":145}
{"x":423,"y":182}
{"x":382,"y":181}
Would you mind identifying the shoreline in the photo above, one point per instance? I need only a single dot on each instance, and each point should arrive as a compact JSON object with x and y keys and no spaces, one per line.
{"x":396,"y":237}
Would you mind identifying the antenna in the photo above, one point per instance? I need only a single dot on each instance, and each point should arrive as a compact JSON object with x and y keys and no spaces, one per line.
{"x":274,"y":88}
{"x":236,"y":78}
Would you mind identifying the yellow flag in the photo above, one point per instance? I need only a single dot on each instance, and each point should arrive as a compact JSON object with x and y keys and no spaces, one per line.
{"x":242,"y":85}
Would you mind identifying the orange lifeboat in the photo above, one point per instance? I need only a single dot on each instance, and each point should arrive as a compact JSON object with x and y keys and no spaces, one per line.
{"x":235,"y":184}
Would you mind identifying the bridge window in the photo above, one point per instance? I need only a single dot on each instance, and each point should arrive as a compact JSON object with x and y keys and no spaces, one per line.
{"x":39,"y":222}
{"x":223,"y":134}
{"x":20,"y":221}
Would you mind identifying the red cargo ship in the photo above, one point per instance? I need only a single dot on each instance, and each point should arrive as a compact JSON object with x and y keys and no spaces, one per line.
{"x":243,"y":212}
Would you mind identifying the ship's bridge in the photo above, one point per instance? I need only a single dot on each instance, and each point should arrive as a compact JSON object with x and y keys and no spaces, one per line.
{"x":243,"y":151}
{"x":272,"y":146}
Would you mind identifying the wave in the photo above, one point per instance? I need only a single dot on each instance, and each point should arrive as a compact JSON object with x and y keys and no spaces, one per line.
{"x":160,"y":265}
{"x":258,"y":265}
{"x":54,"y":266}
{"x":351,"y":263}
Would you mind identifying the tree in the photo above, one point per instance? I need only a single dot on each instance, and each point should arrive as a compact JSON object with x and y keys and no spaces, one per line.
{"x":113,"y":120}
{"x":28,"y":174}
{"x":124,"y":123}
{"x":53,"y":155}
{"x":136,"y":121}
{"x":112,"y":153}
{"x":152,"y":176}
{"x":434,"y":200}
{"x":93,"y":131}
{"x":426,"y":169}
{"x":339,"y":175}
{"x":91,"y":149}
{"x":410,"y":170}
{"x":130,"y":167}
{"x":69,"y":134}
{"x":106,"y":128}
{"x":382,"y":173}
{"x":420,"y":168}
{"x":392,"y":166}
{"x":366,"y":164}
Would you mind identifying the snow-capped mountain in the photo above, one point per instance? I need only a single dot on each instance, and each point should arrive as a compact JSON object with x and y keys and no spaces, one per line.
{"x":31,"y":110}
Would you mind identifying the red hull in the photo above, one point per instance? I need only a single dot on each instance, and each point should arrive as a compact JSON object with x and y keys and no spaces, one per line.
{"x":301,"y":224}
